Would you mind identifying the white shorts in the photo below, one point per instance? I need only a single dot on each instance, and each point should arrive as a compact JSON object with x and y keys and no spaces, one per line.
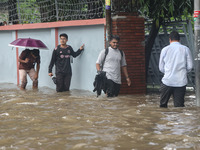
{"x":23,"y":74}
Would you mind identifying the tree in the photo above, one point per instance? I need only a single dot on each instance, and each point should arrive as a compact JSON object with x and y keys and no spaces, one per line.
{"x":160,"y":11}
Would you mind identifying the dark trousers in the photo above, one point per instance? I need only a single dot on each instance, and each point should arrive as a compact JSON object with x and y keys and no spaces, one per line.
{"x":112,"y":88}
{"x":178,"y":94}
{"x":63,"y":82}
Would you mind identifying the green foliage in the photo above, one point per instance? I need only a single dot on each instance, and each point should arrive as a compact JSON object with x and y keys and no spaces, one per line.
{"x":166,"y":9}
{"x":29,"y":12}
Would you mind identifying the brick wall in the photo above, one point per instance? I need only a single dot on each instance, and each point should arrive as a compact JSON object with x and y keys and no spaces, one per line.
{"x":131,"y":32}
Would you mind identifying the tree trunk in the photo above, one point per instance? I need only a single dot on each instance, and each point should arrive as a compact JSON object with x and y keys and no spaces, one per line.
{"x":150,"y":42}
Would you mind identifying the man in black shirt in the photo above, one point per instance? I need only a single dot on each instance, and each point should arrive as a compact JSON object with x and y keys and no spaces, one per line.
{"x":61,"y":59}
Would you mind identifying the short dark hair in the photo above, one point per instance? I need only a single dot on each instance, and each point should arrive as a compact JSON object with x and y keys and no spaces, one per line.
{"x":64,"y":34}
{"x":174,"y":35}
{"x":116,"y":37}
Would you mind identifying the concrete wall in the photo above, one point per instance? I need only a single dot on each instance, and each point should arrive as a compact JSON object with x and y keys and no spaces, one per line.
{"x":7,"y":58}
{"x":83,"y":67}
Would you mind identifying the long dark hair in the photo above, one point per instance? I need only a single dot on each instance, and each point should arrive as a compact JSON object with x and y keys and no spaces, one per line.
{"x":36,"y":52}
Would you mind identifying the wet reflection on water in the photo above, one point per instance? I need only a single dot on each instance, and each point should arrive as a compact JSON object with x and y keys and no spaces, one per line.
{"x":46,"y":120}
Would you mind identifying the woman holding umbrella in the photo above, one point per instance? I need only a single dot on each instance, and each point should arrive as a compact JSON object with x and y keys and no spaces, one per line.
{"x":28,"y":59}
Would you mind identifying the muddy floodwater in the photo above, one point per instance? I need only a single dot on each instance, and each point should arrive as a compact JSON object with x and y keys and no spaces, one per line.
{"x":78,"y":120}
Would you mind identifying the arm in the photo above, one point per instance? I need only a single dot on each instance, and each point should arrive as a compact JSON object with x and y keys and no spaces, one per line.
{"x":161,"y":63}
{"x":37,"y":70}
{"x":189,"y":61}
{"x":52,"y":62}
{"x":98,"y":67}
{"x":78,"y":52}
{"x":22,"y":57}
{"x":23,"y":61}
{"x":100,"y":60}
{"x":124,"y":69}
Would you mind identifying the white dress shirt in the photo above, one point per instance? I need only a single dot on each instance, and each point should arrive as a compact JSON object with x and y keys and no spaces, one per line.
{"x":175,"y":62}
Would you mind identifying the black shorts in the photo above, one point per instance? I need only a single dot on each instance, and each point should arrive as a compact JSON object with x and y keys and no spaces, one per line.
{"x":112,"y":88}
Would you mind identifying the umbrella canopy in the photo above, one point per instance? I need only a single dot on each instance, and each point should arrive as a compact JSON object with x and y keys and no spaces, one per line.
{"x":28,"y":43}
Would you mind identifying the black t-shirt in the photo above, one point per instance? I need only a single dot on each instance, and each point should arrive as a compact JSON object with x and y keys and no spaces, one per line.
{"x":61,"y":59}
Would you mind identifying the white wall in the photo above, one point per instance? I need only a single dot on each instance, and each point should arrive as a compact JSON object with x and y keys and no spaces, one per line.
{"x":8,"y":66}
{"x":83,"y":66}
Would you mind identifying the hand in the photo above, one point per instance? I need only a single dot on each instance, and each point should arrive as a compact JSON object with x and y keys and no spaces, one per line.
{"x":98,"y":71}
{"x":26,"y":60}
{"x":50,"y":74}
{"x":128,"y":81}
{"x":82,"y":47}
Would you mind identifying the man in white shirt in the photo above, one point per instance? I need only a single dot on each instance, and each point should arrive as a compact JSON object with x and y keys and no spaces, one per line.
{"x":175,"y":62}
{"x":114,"y":61}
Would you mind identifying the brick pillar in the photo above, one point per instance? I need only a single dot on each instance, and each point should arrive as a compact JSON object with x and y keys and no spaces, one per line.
{"x":131,"y":32}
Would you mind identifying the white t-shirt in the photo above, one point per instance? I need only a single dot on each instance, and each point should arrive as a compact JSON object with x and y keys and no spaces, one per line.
{"x":113,"y":63}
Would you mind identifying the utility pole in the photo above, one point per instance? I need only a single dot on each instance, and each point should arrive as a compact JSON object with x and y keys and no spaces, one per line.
{"x":108,"y":21}
{"x":197,"y":49}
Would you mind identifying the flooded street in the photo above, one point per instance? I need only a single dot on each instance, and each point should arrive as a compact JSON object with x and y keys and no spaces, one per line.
{"x":78,"y":120}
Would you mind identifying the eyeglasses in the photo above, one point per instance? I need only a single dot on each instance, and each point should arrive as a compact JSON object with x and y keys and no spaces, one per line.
{"x":63,"y":39}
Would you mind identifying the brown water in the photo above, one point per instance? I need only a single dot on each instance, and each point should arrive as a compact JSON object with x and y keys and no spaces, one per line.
{"x":78,"y":120}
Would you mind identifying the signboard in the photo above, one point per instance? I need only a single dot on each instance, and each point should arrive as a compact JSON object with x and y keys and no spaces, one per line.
{"x":108,"y":4}
{"x":196,"y":14}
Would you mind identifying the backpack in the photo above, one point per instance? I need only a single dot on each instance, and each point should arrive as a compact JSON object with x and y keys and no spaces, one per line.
{"x":107,"y":50}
